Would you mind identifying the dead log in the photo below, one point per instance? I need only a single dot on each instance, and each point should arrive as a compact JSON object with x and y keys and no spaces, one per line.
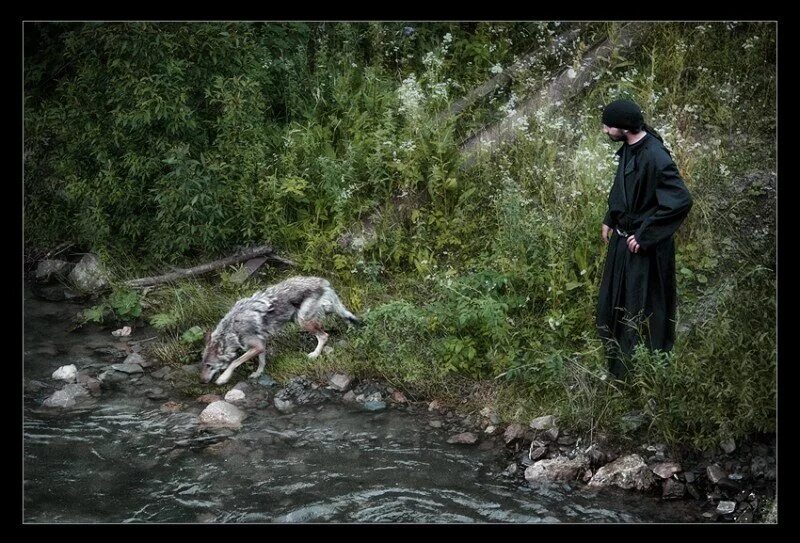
{"x":504,"y":78}
{"x":565,"y":86}
{"x":264,"y":250}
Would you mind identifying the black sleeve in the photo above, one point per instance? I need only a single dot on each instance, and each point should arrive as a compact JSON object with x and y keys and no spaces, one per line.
{"x":674,"y":203}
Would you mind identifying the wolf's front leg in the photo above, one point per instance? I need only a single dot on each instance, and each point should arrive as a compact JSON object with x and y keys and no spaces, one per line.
{"x":262,"y":361}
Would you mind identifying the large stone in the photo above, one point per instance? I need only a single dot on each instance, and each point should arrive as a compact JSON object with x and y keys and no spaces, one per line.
{"x":127,"y":368}
{"x":627,"y":472}
{"x":66,"y":373}
{"x":665,"y":470}
{"x":136,"y":358}
{"x":234,"y":395}
{"x":374,"y":405}
{"x":66,"y":397}
{"x":47,"y":268}
{"x":543,"y":423}
{"x":715,"y":473}
{"x":341,"y":382}
{"x":222,"y":414}
{"x":556,"y":469}
{"x":513,"y":432}
{"x":673,"y":490}
{"x":284,"y":406}
{"x":726,"y":507}
{"x":728,"y":446}
{"x":466,"y":438}
{"x":89,"y":275}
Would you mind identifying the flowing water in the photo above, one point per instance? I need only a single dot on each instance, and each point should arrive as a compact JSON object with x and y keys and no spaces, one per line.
{"x":122,"y":458}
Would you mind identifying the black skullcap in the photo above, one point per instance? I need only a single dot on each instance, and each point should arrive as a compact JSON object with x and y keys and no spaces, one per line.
{"x":623,"y":113}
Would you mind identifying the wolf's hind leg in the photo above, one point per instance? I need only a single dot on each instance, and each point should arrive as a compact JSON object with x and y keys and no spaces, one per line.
{"x":315,"y":327}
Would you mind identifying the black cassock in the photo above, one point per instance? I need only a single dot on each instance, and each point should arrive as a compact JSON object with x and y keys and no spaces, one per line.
{"x":638,"y":293}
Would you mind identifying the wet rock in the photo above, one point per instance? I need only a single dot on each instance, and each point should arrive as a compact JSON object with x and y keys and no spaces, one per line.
{"x":89,"y":275}
{"x":556,"y":469}
{"x":90,"y":383}
{"x":161,"y":373}
{"x":435,"y":423}
{"x":66,"y":373}
{"x":726,"y":508}
{"x":349,"y":396}
{"x":537,"y":453}
{"x":715,"y":473}
{"x":127,"y":368}
{"x":222,"y":414}
{"x":511,"y":470}
{"x":587,"y":476}
{"x":673,"y":490}
{"x":551,"y":434}
{"x":566,"y":440}
{"x":209,"y":398}
{"x":690,"y":476}
{"x":513,"y":432}
{"x":373,"y":405}
{"x":284,"y":406}
{"x":398,"y":397}
{"x":66,"y":397}
{"x":665,"y":470}
{"x":466,"y":438}
{"x":234,"y":395}
{"x":137,"y":359}
{"x":596,"y":456}
{"x":172,"y":407}
{"x":434,"y":406}
{"x":341,"y":382}
{"x":543,"y":423}
{"x":728,"y":485}
{"x":490,"y":430}
{"x":111,"y":376}
{"x":627,"y":472}
{"x":693,"y":491}
{"x":267,"y":381}
{"x":632,"y":421}
{"x":244,"y":386}
{"x":48,"y":268}
{"x":156,"y":394}
{"x":728,"y":446}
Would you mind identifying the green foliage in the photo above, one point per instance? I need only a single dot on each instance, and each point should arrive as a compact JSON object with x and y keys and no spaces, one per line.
{"x":174,"y":142}
{"x":192,"y":335}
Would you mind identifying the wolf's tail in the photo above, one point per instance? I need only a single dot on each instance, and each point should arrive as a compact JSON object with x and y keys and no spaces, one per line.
{"x":339,"y":308}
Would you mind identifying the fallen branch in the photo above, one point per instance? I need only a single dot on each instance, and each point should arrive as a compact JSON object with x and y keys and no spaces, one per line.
{"x":516,"y":70}
{"x":263,"y":250}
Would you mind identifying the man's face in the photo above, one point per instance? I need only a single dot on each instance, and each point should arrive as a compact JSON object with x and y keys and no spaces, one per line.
{"x":615,"y":134}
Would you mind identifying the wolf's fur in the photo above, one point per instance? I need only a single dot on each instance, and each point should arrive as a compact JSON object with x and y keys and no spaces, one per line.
{"x":252,"y":320}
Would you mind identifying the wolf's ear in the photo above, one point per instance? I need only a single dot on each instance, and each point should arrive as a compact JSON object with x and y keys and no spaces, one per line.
{"x":208,"y":336}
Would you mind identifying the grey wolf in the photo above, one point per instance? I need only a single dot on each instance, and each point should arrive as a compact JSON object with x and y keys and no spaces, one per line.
{"x":251,"y":321}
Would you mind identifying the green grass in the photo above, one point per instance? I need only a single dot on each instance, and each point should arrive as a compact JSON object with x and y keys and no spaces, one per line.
{"x":478,"y":285}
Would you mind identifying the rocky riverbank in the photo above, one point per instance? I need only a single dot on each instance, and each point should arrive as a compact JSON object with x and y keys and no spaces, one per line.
{"x":733,"y":484}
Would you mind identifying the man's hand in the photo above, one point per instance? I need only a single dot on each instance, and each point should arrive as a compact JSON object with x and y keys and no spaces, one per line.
{"x":605,"y":233}
{"x":633,"y":245}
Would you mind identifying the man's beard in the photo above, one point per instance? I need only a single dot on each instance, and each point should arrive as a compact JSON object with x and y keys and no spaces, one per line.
{"x":621,"y":137}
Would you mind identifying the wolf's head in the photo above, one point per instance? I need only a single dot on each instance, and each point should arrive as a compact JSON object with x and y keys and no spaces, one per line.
{"x":217,"y":355}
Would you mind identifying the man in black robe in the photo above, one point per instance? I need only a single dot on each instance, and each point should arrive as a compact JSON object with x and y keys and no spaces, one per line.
{"x":647,"y":203}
